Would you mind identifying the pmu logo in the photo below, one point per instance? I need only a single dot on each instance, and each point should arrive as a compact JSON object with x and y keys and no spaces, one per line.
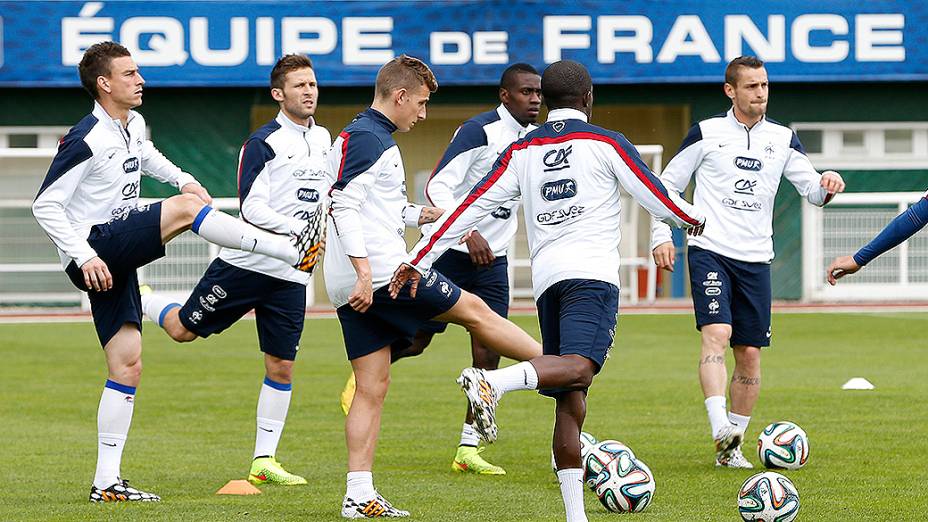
{"x":748,"y":163}
{"x":130,"y":165}
{"x":557,"y":159}
{"x":559,"y":189}
{"x":307,"y":194}
{"x":502,"y":213}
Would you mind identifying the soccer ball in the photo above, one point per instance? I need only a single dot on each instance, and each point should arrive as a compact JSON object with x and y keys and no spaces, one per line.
{"x":768,"y":497}
{"x":783,"y":445}
{"x":587,"y":441}
{"x":598,"y":456}
{"x":625,"y":484}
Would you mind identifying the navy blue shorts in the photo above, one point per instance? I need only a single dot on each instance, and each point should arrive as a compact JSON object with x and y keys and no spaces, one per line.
{"x":389,"y":320}
{"x":124,"y":244}
{"x":226,"y":292}
{"x":490,"y":284}
{"x":577,"y":317}
{"x":731,"y":292}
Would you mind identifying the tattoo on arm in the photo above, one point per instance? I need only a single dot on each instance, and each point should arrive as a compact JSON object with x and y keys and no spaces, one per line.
{"x":745,"y":380}
{"x":430,"y":215}
{"x":712,"y":359}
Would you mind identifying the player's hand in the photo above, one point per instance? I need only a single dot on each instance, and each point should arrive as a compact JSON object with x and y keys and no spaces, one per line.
{"x":362,"y":295}
{"x":840,"y":267}
{"x":405,"y":273}
{"x":832,"y":182}
{"x":97,"y":275}
{"x":480,"y":252}
{"x":664,"y":255}
{"x":430,"y":215}
{"x":197,"y":190}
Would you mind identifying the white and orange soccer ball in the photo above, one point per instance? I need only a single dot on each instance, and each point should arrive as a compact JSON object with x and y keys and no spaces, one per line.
{"x":768,"y":497}
{"x":783,"y":445}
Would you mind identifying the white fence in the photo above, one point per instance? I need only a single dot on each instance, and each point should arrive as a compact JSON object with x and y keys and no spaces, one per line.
{"x":845,"y":225}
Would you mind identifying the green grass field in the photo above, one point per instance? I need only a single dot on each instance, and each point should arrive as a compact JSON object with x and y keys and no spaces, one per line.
{"x":193,"y":428}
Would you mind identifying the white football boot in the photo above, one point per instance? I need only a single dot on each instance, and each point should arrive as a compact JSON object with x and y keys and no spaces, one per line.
{"x":483,"y":398}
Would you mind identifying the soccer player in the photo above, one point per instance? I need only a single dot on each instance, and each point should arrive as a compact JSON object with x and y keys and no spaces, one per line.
{"x":88,"y":206}
{"x":569,"y":174}
{"x":281,"y":179}
{"x":367,"y":212}
{"x":898,"y":230}
{"x":479,"y":265}
{"x":738,"y":159}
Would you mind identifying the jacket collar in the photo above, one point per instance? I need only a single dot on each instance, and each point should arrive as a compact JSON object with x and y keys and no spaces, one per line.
{"x":566,"y":114}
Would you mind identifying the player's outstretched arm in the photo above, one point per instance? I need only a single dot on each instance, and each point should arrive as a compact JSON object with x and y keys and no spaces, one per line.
{"x":898,"y":230}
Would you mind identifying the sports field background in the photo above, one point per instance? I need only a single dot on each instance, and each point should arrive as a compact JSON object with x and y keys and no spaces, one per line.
{"x":193,"y":428}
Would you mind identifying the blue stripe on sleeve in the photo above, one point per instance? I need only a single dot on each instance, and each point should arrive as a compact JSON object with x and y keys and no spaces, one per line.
{"x":795,"y":144}
{"x":636,"y":158}
{"x":361,"y":149}
{"x":72,"y":151}
{"x":470,"y":136}
{"x":255,"y":155}
{"x":897,"y":231}
{"x":694,"y":135}
{"x":201,"y":215}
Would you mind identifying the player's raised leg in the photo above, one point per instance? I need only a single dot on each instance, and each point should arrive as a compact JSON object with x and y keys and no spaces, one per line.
{"x":114,"y":416}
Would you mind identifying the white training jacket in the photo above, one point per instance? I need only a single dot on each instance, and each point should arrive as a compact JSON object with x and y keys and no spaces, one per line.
{"x":282,"y":178}
{"x":95,"y":178}
{"x":569,"y":174}
{"x":368,"y":207}
{"x":738,"y":172}
{"x":476,"y":145}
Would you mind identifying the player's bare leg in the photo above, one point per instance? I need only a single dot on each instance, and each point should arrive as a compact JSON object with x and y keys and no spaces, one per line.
{"x":745,"y":380}
{"x":123,"y":354}
{"x":372,"y":377}
{"x":491,"y":330}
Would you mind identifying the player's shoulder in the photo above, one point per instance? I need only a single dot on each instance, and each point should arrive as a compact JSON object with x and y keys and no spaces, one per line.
{"x":87,"y":134}
{"x":367,"y":135}
{"x":779,"y":131}
{"x":320,"y":134}
{"x":484,"y":118}
{"x":713,"y":124}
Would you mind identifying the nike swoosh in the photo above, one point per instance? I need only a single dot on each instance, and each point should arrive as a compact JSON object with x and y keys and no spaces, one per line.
{"x":722,"y":145}
{"x":110,"y":445}
{"x":265,"y":429}
{"x":111,"y":155}
{"x":291,"y":156}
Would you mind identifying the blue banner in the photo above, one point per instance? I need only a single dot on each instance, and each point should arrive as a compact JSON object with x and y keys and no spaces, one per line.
{"x":634,"y":41}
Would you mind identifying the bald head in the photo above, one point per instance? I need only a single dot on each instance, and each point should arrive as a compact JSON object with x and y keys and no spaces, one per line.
{"x":565,"y":84}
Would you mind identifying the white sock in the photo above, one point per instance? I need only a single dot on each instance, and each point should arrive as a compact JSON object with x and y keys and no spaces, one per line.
{"x":469,"y":436}
{"x":113,"y":419}
{"x":718,"y":415}
{"x":571,"y":481}
{"x":360,"y":486}
{"x":157,"y":306}
{"x":521,"y":376}
{"x":226,"y":231}
{"x":739,"y":420}
{"x":273,"y":403}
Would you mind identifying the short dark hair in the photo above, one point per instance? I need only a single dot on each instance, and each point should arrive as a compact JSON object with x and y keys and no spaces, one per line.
{"x":731,"y":72}
{"x":96,"y":62}
{"x":288,"y":63}
{"x":565,"y":83}
{"x":404,"y":72}
{"x":508,"y":79}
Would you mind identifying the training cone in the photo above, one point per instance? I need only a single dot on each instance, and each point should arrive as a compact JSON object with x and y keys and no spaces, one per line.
{"x":238,"y":487}
{"x":858,"y":383}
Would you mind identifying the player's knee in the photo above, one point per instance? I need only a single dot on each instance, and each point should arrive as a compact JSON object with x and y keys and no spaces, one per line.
{"x":475,"y":313}
{"x":579,"y":371}
{"x":715,"y":338}
{"x":177,"y":331}
{"x":748,"y":356}
{"x":186,"y":207}
{"x":280,"y":371}
{"x":373,"y":387}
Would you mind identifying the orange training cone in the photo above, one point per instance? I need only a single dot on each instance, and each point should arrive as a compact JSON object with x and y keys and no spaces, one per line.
{"x":238,"y":487}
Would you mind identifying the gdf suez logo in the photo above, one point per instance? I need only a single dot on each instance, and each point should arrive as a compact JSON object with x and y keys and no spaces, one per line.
{"x":557,"y":159}
{"x":748,"y":163}
{"x":559,"y":189}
